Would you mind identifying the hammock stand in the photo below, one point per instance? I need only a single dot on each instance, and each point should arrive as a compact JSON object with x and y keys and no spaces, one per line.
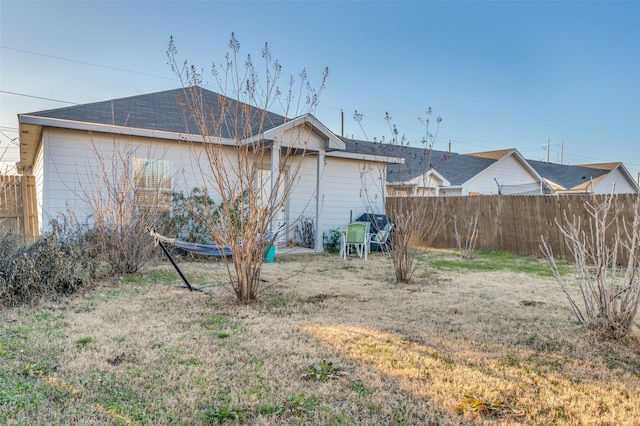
{"x":211,"y":250}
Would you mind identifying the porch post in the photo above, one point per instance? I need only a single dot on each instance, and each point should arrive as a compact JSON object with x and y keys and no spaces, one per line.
{"x":275,"y":176}
{"x":319,"y":197}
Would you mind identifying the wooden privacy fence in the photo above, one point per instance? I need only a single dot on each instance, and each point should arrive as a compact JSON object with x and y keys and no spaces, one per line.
{"x":511,"y":223}
{"x":18,"y":211}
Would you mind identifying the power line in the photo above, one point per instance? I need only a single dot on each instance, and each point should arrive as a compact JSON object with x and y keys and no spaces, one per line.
{"x":626,"y":162}
{"x":371,"y":118}
{"x":11,"y":140}
{"x":85,"y":63}
{"x":38,"y":97}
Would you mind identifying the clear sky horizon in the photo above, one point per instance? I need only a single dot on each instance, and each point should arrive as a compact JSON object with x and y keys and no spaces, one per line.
{"x":510,"y":74}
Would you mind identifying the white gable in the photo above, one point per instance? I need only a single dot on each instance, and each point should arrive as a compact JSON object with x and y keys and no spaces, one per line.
{"x":300,"y":138}
{"x":615,"y":176}
{"x":509,"y":172}
{"x":304,"y":132}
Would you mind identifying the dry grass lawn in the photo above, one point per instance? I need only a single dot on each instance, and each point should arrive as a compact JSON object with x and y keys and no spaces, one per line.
{"x":451,"y":348}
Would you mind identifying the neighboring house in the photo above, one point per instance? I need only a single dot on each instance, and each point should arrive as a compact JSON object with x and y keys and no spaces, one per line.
{"x":441,"y":173}
{"x":504,"y":172}
{"x":586,"y":178}
{"x":59,"y":147}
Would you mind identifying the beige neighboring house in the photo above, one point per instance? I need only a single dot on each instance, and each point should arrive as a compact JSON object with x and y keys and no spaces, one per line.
{"x":59,"y":148}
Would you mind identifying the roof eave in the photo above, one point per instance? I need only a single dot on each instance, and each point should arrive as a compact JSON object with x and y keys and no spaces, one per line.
{"x":402,"y":184}
{"x":31,"y":130}
{"x":365,"y":157}
{"x":111,"y":128}
{"x":553,"y":185}
{"x":30,"y":136}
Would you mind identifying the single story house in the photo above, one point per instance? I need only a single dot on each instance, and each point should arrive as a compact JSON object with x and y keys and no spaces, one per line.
{"x":502,"y":172}
{"x":586,"y":178}
{"x":442,"y":173}
{"x":61,"y":148}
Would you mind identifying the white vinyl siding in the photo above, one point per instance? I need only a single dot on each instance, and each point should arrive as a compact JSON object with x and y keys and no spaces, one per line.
{"x":38,"y":172}
{"x":72,"y":169}
{"x":507,"y":171}
{"x":70,"y":164}
{"x":351,"y":188}
{"x":622,"y":185}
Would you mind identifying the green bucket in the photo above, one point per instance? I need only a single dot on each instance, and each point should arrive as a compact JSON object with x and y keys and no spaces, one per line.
{"x":269,"y":254}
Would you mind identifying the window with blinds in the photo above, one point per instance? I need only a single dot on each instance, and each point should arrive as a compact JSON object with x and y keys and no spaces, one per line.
{"x":152,"y":182}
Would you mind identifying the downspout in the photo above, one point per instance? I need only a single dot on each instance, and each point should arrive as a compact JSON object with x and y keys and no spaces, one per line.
{"x":541,"y":190}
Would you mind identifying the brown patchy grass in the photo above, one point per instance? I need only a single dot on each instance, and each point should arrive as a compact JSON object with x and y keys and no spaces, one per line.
{"x":452,"y":348}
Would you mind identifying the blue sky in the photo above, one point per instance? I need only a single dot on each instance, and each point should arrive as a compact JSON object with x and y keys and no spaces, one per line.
{"x":501,"y":74}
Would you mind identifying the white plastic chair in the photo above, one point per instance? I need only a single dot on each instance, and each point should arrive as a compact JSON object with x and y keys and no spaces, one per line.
{"x":382,"y":239}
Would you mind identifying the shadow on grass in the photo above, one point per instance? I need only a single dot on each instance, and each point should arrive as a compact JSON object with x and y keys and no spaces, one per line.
{"x":518,"y":385}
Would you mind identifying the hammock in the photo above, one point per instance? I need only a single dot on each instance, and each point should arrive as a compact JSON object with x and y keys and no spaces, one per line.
{"x":202,"y":249}
{"x":214,"y":250}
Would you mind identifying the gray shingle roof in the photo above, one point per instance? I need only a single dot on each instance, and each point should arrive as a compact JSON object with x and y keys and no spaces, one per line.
{"x":566,"y":175}
{"x":456,"y":168}
{"x":166,"y":111}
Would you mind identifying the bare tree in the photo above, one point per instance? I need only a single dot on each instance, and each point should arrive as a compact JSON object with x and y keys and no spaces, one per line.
{"x":610,"y":290}
{"x":251,"y":176}
{"x":466,"y":238}
{"x":417,"y":219}
{"x":416,"y":224}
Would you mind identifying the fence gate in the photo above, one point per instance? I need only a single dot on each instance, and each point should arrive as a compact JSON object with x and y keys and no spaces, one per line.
{"x":18,"y":211}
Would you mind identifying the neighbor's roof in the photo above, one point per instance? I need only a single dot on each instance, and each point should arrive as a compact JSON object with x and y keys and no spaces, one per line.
{"x":163,"y":111}
{"x":568,"y":176}
{"x":456,"y":168}
{"x":494,"y":155}
{"x":602,"y":166}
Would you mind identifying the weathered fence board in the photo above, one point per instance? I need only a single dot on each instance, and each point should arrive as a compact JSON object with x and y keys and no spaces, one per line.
{"x":18,"y":210}
{"x":513,"y":223}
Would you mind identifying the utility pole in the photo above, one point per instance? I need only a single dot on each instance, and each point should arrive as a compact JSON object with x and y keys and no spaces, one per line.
{"x":548,"y":146}
{"x":559,"y":156}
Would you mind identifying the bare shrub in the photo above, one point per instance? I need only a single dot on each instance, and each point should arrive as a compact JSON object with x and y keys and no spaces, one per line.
{"x":610,"y":290}
{"x":58,"y":263}
{"x":10,"y":243}
{"x":119,"y":209}
{"x":248,"y":202}
{"x":306,"y":232}
{"x":467,"y":241}
{"x":417,"y":220}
